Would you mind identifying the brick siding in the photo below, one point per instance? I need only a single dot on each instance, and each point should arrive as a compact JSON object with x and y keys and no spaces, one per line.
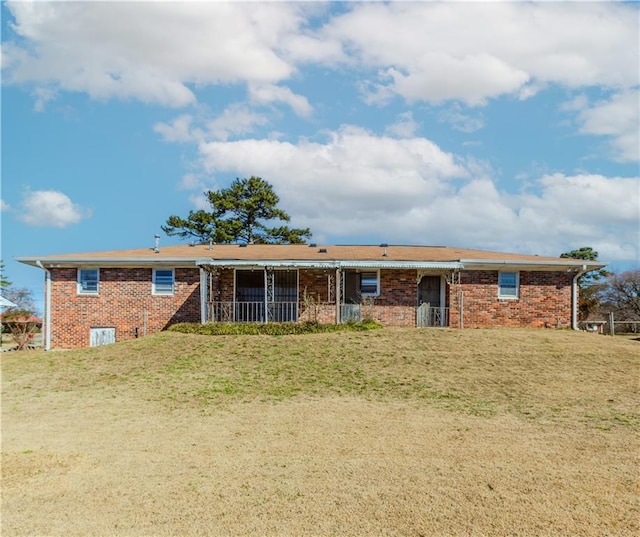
{"x":544,"y":301}
{"x":124,"y":302}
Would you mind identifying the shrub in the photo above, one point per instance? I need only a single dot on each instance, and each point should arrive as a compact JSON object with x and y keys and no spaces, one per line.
{"x":269,"y":329}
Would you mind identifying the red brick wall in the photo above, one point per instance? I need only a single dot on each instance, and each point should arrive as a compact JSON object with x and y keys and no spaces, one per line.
{"x":315,"y":283}
{"x":124,"y":303}
{"x":398,"y":288}
{"x":544,"y":301}
{"x":396,"y":305}
{"x":224,"y":285}
{"x":394,"y":315}
{"x":317,"y":307}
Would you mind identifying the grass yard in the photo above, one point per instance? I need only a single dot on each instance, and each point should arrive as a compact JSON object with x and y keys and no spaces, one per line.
{"x":392,"y":432}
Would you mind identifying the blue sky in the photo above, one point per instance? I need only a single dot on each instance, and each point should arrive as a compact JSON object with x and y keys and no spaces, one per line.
{"x":506,"y":126}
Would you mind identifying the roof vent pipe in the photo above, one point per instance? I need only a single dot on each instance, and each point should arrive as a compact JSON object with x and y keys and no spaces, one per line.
{"x":156,"y":248}
{"x":210,"y":244}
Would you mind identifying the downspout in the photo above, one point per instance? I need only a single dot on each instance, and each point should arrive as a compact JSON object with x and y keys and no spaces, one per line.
{"x":204,"y":293}
{"x":47,"y":306}
{"x":574,"y":297}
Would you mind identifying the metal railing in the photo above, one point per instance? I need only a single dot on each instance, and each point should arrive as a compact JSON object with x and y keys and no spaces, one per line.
{"x":428,"y":316}
{"x":252,"y":312}
{"x":350,"y":312}
{"x":278,"y":312}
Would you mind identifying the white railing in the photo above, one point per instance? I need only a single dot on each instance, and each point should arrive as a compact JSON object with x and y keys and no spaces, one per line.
{"x":278,"y":312}
{"x":252,"y":312}
{"x":427,"y":316}
{"x":350,"y":312}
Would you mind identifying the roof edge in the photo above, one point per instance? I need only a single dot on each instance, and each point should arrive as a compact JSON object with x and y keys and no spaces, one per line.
{"x":331,"y":264}
{"x":560,"y":262}
{"x":51,"y":262}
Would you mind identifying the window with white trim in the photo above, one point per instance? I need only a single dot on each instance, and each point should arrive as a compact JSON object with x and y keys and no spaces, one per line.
{"x":370,"y":283}
{"x":88,"y":281}
{"x":508,"y":285}
{"x":358,"y":284}
{"x":163,"y":281}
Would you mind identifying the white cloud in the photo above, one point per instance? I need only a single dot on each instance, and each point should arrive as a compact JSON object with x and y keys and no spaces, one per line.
{"x":50,"y":208}
{"x":461,"y":121}
{"x":42,"y":97}
{"x":476,"y":51}
{"x":270,"y":93}
{"x":150,"y":51}
{"x":409,"y":190}
{"x":619,"y":118}
{"x":4,"y":206}
{"x":436,"y":52}
{"x":576,"y":104}
{"x":235,"y":120}
{"x":178,"y":130}
{"x":192,"y":181}
{"x":404,"y":127}
{"x":162,"y":52}
{"x":199,"y":202}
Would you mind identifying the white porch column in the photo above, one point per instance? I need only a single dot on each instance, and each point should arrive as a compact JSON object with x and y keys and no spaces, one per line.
{"x":338,"y":294}
{"x":204,"y":296}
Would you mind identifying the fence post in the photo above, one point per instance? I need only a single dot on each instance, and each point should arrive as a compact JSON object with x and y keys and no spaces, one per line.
{"x":612,"y":329}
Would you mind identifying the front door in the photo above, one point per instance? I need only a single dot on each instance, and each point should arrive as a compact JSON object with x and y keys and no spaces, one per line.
{"x":250,"y":293}
{"x":429,"y":313}
{"x":429,"y":291}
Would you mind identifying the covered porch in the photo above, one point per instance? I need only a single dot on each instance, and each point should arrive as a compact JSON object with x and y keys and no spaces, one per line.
{"x":334,"y":292}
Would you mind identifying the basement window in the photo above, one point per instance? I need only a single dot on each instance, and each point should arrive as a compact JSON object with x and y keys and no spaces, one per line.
{"x":88,"y":281}
{"x":163,"y":281}
{"x":508,"y":285}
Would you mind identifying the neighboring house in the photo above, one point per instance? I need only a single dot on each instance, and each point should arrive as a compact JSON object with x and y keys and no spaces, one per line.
{"x":97,"y":298}
{"x":6,"y":303}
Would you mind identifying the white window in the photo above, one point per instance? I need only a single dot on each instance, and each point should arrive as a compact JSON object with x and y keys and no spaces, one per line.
{"x":163,"y":281}
{"x":508,"y":285}
{"x":88,"y":281}
{"x":370,"y":283}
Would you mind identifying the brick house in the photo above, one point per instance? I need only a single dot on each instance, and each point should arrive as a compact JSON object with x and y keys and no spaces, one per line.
{"x":96,"y":298}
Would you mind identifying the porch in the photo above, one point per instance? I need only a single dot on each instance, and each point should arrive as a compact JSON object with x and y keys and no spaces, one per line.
{"x":350,"y":294}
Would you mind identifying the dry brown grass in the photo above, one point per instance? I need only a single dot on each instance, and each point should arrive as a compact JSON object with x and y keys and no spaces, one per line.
{"x":389,"y":432}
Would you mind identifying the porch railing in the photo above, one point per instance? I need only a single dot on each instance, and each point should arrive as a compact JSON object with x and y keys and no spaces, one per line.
{"x":429,"y":316}
{"x":350,"y":312}
{"x":277,"y":312}
{"x":252,"y":312}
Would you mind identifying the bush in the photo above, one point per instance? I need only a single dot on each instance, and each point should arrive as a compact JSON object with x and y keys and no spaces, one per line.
{"x":269,"y":329}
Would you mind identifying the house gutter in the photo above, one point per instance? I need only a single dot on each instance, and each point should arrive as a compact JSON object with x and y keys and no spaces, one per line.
{"x":330,"y":264}
{"x":47,"y":305}
{"x":574,"y":297}
{"x":550,"y":264}
{"x":108,"y":262}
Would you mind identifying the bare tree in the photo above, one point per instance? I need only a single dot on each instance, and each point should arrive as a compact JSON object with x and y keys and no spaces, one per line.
{"x":21,"y":318}
{"x":622,"y":295}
